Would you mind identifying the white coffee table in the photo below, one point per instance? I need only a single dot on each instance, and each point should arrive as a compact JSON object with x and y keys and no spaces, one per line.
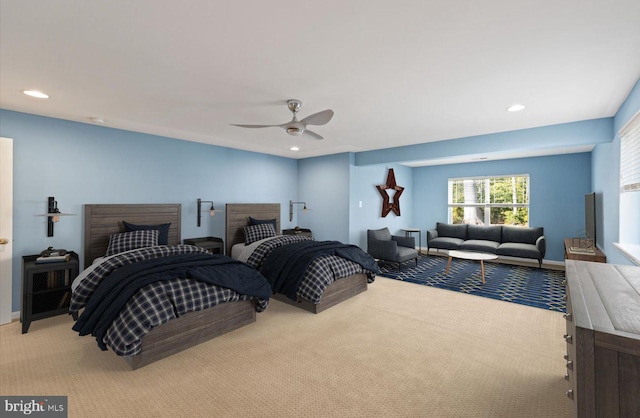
{"x":470,"y":255}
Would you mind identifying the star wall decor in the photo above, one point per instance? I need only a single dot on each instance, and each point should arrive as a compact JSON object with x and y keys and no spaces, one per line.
{"x":389,"y":204}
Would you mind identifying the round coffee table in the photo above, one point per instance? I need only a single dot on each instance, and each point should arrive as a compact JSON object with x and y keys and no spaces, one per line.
{"x":470,"y":255}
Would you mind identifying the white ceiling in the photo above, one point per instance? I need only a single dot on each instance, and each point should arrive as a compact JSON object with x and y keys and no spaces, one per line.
{"x":395,"y":72}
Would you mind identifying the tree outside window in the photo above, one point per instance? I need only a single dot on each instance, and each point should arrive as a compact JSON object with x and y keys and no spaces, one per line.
{"x":489,"y":200}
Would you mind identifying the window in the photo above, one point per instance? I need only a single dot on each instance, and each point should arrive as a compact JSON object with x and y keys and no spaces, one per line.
{"x":630,"y":156}
{"x":489,"y":200}
{"x":629,"y":222}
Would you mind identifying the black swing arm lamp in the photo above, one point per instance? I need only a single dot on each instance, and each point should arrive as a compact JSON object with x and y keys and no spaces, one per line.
{"x":212,"y":210}
{"x":291,"y":203}
{"x":53,"y":214}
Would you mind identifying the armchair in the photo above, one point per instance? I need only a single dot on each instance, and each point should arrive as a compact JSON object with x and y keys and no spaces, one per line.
{"x":382,"y":245}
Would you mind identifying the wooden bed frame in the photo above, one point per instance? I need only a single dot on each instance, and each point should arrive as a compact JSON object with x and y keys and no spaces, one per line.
{"x":237,"y":216}
{"x":101,"y":221}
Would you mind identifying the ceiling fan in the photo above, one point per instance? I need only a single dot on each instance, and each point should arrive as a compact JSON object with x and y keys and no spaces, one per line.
{"x":299,"y":127}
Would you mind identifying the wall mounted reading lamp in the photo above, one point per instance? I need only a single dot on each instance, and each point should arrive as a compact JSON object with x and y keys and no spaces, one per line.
{"x":53,"y":214}
{"x":212,"y":211}
{"x":291,"y":203}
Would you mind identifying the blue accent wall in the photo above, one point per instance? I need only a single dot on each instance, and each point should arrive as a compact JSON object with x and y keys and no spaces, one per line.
{"x":557,"y":188}
{"x":606,"y":184}
{"x":364,"y":180}
{"x":323,"y":183}
{"x":80,"y":163}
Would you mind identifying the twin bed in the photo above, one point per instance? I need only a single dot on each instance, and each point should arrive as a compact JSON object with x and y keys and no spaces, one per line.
{"x":233,"y":290}
{"x":192,"y":328}
{"x":238,"y":216}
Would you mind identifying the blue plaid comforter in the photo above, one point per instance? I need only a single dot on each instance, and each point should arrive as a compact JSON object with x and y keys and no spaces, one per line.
{"x":320,"y":273}
{"x":155,"y":303}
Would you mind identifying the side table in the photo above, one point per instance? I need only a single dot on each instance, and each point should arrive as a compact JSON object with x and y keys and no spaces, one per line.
{"x":408,"y":232}
{"x":299,"y":231}
{"x":46,"y":288}
{"x":214,"y":245}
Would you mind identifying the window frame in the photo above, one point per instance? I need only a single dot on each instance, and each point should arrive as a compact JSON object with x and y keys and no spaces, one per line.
{"x":487,"y":205}
{"x":630,"y":155}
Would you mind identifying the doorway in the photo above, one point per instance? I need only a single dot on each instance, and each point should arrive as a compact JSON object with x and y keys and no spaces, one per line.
{"x":6,"y":228}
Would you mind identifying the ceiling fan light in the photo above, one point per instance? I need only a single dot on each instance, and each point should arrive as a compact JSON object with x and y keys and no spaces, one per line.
{"x":294,"y":131}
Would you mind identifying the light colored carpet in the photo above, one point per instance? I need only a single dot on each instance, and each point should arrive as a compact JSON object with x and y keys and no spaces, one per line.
{"x":397,"y":350}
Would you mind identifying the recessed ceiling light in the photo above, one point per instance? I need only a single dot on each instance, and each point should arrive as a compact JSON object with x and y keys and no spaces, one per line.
{"x":36,"y":93}
{"x":97,"y":120}
{"x":515,"y":108}
{"x":295,"y":148}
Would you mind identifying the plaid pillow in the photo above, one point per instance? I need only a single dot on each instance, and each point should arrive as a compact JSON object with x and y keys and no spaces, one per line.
{"x":131,"y":240}
{"x":163,"y":230}
{"x":253,"y":233}
{"x":254,"y":221}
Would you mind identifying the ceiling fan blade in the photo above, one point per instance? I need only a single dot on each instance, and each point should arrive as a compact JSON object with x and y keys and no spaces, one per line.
{"x":254,"y":126}
{"x":311,"y":134}
{"x":319,"y":118}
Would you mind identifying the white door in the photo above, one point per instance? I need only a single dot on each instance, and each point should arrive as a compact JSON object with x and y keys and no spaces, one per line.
{"x":6,"y":227}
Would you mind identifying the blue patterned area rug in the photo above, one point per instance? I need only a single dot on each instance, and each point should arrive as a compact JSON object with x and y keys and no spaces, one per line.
{"x":541,"y":288}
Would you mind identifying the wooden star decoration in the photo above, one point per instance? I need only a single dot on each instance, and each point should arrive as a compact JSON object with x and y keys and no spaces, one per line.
{"x":388,"y":204}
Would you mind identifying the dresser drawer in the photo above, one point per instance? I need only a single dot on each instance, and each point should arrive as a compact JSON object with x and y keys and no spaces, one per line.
{"x":603,"y":339}
{"x":570,"y":354}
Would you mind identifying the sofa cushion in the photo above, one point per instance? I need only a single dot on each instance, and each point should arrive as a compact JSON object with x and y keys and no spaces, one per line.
{"x":452,"y":230}
{"x":515,"y":249}
{"x":446,"y":243}
{"x":522,"y":234}
{"x":482,"y":232}
{"x":480,"y":245}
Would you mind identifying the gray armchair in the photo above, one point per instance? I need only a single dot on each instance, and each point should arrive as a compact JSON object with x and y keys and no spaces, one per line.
{"x":384,"y":246}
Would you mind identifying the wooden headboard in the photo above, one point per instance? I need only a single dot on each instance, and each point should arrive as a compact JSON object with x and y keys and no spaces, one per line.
{"x":101,"y":221}
{"x":237,"y":216}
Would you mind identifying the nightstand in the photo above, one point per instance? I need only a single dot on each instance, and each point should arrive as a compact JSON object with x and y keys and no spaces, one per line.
{"x":46,"y":288}
{"x":214,"y":245}
{"x":297,"y":231}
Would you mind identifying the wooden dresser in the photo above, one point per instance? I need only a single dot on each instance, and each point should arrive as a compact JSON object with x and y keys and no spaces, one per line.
{"x":603,"y":339}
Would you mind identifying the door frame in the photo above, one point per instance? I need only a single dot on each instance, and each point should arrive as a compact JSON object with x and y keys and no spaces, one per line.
{"x":6,"y":228}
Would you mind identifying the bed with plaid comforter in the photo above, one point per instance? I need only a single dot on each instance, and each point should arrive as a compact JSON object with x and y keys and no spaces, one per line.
{"x":321,"y":271}
{"x":170,"y":295}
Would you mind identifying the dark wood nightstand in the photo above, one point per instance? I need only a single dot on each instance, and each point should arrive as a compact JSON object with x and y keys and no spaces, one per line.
{"x":46,"y":288}
{"x":214,"y":245}
{"x":297,"y":231}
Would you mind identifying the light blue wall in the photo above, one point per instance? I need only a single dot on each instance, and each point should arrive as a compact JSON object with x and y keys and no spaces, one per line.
{"x":605,"y":160}
{"x":364,"y":180}
{"x":606,"y":182}
{"x":81,"y":163}
{"x":557,"y":188}
{"x":323,"y":183}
